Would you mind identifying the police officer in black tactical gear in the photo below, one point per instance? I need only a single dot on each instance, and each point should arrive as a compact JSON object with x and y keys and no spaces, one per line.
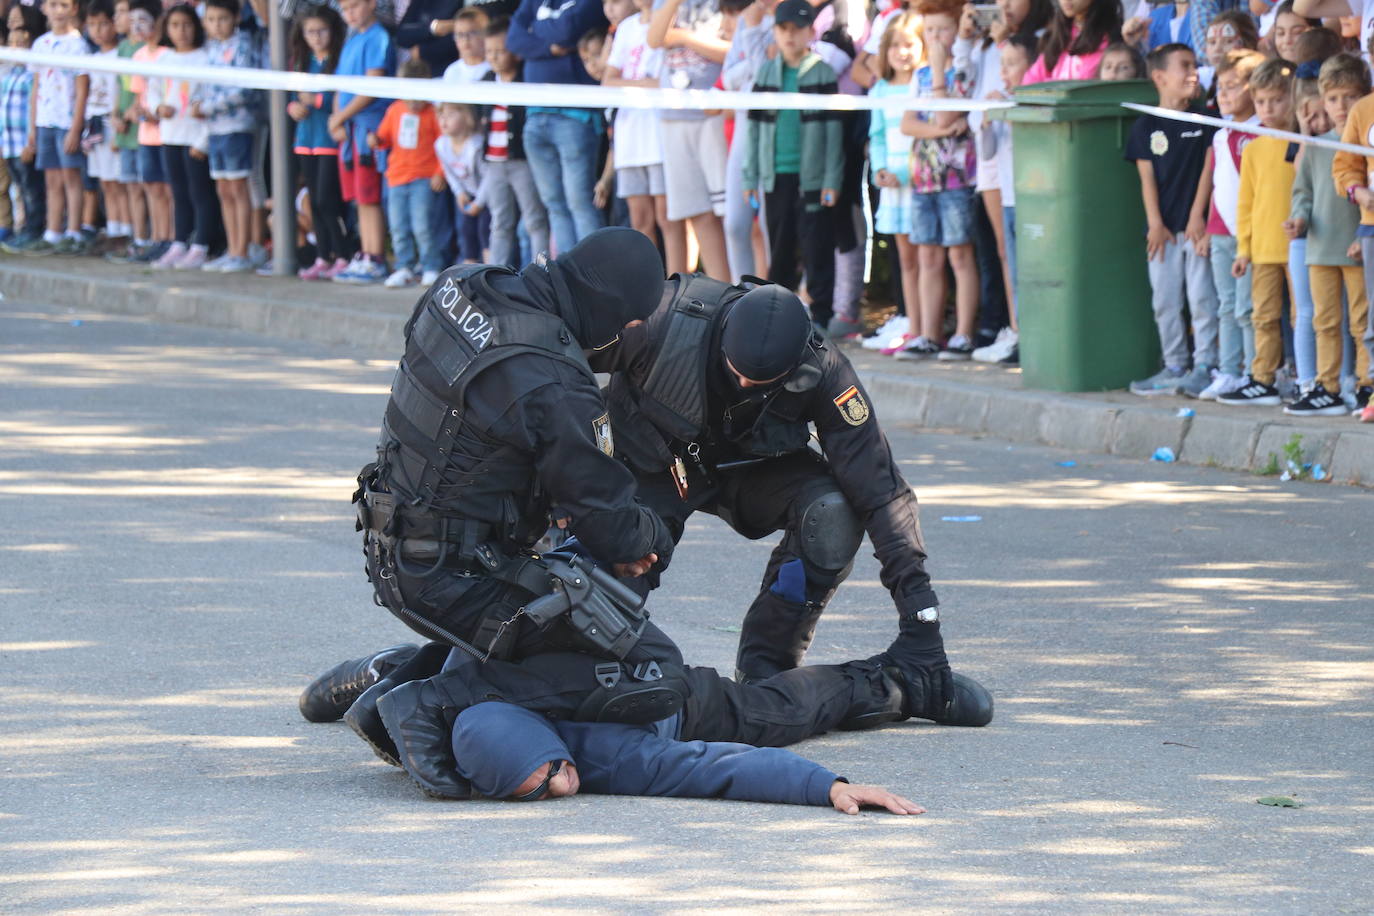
{"x":713,"y":400}
{"x":495,"y":418}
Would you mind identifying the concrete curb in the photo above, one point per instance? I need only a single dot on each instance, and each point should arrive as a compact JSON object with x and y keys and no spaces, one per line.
{"x":1079,"y":422}
{"x":1085,"y":424}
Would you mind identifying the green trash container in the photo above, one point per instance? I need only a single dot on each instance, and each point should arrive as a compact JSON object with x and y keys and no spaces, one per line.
{"x":1083,"y":293}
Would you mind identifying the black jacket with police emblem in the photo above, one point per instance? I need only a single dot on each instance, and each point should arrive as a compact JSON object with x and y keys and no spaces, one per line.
{"x":733,"y":427}
{"x":495,"y":419}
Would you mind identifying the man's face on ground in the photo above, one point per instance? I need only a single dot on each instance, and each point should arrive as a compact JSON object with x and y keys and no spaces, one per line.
{"x":563,"y":784}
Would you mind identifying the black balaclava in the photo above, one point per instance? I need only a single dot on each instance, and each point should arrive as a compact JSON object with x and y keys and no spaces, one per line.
{"x":610,"y":278}
{"x":766,"y":334}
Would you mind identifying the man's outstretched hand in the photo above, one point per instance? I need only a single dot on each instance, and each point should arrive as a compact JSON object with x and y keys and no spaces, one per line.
{"x":848,"y":799}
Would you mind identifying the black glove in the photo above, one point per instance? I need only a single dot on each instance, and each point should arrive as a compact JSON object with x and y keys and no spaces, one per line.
{"x":919,"y":653}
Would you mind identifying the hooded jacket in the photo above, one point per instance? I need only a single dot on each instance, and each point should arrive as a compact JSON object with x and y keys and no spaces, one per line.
{"x":498,"y":745}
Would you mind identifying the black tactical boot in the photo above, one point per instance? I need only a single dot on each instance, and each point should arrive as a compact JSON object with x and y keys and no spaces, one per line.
{"x":329,"y":695}
{"x":882,"y":703}
{"x":419,"y":718}
{"x":965,"y":702}
{"x":363,"y":717}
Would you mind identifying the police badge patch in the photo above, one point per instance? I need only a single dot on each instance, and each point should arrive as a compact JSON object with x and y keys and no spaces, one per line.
{"x":601,"y":428}
{"x":852,"y":406}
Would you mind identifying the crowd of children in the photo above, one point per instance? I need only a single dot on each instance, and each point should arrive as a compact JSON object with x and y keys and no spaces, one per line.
{"x":1256,"y":247}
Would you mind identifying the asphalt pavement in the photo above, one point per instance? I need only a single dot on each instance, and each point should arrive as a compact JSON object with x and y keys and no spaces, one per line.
{"x":1167,"y":645}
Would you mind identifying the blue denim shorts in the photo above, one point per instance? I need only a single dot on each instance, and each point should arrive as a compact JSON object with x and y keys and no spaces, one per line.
{"x":943,"y":218}
{"x":50,"y":154}
{"x":150,"y":170}
{"x":128,"y":166}
{"x":231,"y":156}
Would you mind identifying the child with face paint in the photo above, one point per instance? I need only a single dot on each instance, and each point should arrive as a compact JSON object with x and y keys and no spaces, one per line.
{"x":1212,"y":226}
{"x":1231,"y":30}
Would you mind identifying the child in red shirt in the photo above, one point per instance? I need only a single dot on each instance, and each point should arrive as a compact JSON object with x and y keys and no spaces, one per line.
{"x":407,"y":133}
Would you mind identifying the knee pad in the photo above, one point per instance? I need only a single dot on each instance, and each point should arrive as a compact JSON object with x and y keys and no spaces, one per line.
{"x":634,"y":694}
{"x":828,"y":533}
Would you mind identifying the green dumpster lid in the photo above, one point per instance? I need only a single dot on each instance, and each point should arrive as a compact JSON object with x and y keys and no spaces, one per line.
{"x":1077,"y":100}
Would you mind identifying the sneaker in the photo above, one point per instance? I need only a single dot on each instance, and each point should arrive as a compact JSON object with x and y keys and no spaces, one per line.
{"x":1317,"y":402}
{"x":1362,"y":396}
{"x":233,"y":265}
{"x":1222,"y":383}
{"x":1252,"y":392}
{"x":193,"y":259}
{"x":1198,"y":380}
{"x":896,"y":344}
{"x":1013,"y":358}
{"x":17,"y":244}
{"x":258,"y":255}
{"x":315,"y":271}
{"x":329,"y":695}
{"x":885,"y":335}
{"x":338,"y":267}
{"x":175,"y":252}
{"x":370,"y":271}
{"x":1367,"y":414}
{"x":841,"y":328}
{"x":360,"y":271}
{"x":41,"y":248}
{"x":1165,"y":381}
{"x":999,"y":348}
{"x":919,"y":348}
{"x":213,"y":267}
{"x":956,"y":349}
{"x":152,"y":252}
{"x":401,"y":276}
{"x":430,"y":278}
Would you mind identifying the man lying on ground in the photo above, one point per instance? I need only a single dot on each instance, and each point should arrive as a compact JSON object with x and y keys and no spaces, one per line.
{"x":508,"y":752}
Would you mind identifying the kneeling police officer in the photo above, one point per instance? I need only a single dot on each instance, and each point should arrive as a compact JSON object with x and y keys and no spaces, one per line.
{"x":495,"y":418}
{"x":713,"y":400}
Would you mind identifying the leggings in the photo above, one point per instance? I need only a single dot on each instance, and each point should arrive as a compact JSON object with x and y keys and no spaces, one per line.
{"x":320,"y":172}
{"x":195,"y":207}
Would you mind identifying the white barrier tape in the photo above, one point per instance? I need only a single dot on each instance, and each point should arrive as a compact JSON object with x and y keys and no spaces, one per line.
{"x":1256,"y":129}
{"x":492,"y":93}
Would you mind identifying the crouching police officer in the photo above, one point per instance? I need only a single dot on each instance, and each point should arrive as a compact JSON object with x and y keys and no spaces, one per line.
{"x":712,"y":400}
{"x":495,"y":418}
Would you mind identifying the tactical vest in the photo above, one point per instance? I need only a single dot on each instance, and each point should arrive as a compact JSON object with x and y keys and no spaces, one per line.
{"x":672,"y":395}
{"x":449,"y":479}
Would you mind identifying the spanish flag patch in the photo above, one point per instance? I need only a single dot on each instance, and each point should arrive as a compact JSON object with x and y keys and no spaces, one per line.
{"x":852,"y":406}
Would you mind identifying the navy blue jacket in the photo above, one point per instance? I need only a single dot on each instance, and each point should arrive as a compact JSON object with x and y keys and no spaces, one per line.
{"x":497,"y":745}
{"x":539,"y":24}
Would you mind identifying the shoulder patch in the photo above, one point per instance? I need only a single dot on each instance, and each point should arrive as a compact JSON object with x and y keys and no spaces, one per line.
{"x":852,"y":406}
{"x":601,"y":428}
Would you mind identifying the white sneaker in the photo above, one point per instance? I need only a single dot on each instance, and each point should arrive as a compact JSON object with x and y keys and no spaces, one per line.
{"x":885,"y":335}
{"x":400,"y":277}
{"x":257,"y":255}
{"x":233,"y":265}
{"x":1223,"y":383}
{"x":999,"y":349}
{"x":430,"y":278}
{"x":214,"y":267}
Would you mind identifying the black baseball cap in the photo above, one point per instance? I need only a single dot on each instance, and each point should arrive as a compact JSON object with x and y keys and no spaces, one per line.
{"x":797,"y":12}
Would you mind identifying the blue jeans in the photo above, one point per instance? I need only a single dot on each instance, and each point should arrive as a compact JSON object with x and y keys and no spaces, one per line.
{"x":407,"y":217}
{"x":562,"y":154}
{"x":1009,"y":233}
{"x":33,"y":191}
{"x":1235,"y":334}
{"x":1304,"y":338}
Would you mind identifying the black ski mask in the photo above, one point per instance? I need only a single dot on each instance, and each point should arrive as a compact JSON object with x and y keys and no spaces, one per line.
{"x":766,"y":336}
{"x":610,"y":278}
